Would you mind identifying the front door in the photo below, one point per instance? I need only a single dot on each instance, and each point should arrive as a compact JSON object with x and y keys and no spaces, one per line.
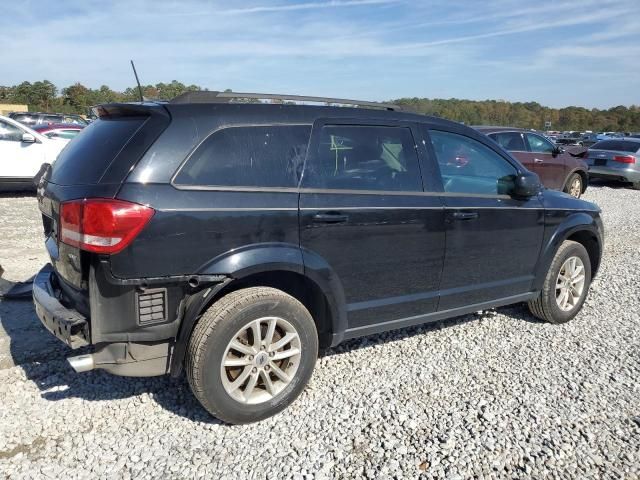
{"x":549,"y":165}
{"x":18,"y":159}
{"x":493,"y":240}
{"x":363,"y":209}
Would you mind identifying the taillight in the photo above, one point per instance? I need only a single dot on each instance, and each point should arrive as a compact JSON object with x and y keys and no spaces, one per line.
{"x":102,"y":225}
{"x":624,"y":159}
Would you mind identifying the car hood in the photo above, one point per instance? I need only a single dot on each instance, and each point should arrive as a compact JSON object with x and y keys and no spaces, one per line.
{"x":554,"y":199}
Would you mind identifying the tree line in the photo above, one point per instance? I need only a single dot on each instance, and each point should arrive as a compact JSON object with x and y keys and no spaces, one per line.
{"x":77,"y":98}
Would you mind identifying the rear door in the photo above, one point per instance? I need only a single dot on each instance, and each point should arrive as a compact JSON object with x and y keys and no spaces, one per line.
{"x":493,"y":240}
{"x":549,"y":166}
{"x":363,"y":209}
{"x":515,"y":144}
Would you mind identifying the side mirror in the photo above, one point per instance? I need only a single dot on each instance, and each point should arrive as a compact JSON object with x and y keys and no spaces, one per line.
{"x":526,"y":184}
{"x":28,"y":138}
{"x":557,"y":151}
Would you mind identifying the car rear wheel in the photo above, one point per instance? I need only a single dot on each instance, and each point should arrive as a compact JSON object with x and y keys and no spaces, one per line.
{"x":574,"y":185}
{"x":251,"y":354}
{"x":565,"y":286}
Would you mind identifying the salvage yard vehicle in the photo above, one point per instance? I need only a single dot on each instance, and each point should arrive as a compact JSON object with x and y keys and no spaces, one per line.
{"x":616,"y":159}
{"x":234,"y":240}
{"x":22,"y":153}
{"x":557,"y":168}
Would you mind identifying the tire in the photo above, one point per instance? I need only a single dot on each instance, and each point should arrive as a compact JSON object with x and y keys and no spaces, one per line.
{"x":635,"y":186}
{"x":546,"y":306}
{"x":574,"y":185}
{"x":232,"y":318}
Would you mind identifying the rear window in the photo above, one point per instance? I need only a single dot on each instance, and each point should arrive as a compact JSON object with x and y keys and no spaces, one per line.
{"x":25,"y":118}
{"x":617,"y":145}
{"x":256,"y":156}
{"x":85,"y":159}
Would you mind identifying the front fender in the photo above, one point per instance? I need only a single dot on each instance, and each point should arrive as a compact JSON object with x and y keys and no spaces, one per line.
{"x":560,"y":225}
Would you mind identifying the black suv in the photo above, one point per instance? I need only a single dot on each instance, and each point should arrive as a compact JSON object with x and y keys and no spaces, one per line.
{"x":234,"y":240}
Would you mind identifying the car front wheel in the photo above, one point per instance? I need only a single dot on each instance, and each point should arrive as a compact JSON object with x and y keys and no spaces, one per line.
{"x":574,"y":185}
{"x":565,"y":286}
{"x":251,"y":354}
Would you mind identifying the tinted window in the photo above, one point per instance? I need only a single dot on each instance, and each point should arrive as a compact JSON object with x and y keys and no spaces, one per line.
{"x":25,"y":118}
{"x":87,"y":158}
{"x":512,"y":141}
{"x":352,"y":157}
{"x":52,"y":119}
{"x":617,"y":145}
{"x":265,"y":156}
{"x":539,"y":145}
{"x":9,"y":132}
{"x":468,"y":166}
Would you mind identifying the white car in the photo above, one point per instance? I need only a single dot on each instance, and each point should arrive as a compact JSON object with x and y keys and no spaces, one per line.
{"x":22,"y":153}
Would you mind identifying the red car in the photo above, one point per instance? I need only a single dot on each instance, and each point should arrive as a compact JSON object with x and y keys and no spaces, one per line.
{"x":557,"y":168}
{"x":59,"y":130}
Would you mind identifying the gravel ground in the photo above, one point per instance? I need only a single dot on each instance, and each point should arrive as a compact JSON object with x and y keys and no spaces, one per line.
{"x":494,"y":395}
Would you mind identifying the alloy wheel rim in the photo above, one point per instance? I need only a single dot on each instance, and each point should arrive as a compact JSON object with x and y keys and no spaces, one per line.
{"x":570,"y":283}
{"x":576,"y":187}
{"x":261,"y":360}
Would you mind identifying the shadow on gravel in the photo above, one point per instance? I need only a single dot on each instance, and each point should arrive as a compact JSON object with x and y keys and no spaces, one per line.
{"x":600,"y":183}
{"x":19,"y":194}
{"x":42,"y":357}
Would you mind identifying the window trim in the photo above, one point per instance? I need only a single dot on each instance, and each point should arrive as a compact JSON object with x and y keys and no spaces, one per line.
{"x":239,"y":188}
{"x":320,"y":123}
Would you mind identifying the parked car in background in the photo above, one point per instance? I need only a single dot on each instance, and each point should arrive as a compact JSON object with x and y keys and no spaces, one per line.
{"x":22,"y":153}
{"x":568,"y":142}
{"x":65,"y":131}
{"x":233,"y":240}
{"x":558,"y":169}
{"x":31,"y":119}
{"x":616,"y":159}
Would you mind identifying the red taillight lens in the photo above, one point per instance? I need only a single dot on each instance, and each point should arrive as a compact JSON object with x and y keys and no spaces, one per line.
{"x":624,"y":159}
{"x":102,"y":225}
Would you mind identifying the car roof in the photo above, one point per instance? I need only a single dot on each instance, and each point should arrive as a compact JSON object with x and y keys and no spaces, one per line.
{"x":495,"y":129}
{"x":55,"y":126}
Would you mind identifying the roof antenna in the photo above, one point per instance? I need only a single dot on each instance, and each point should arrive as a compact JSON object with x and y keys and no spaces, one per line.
{"x":138,"y":81}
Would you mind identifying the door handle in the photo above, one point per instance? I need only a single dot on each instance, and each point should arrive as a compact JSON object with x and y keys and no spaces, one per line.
{"x":330,"y":217}
{"x":464,"y":215}
{"x":538,"y":160}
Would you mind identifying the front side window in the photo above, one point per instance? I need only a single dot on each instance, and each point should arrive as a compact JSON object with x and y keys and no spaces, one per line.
{"x":511,"y":141}
{"x":256,"y":156}
{"x":538,"y":144}
{"x":10,"y":133}
{"x":468,"y":166}
{"x":364,"y":157}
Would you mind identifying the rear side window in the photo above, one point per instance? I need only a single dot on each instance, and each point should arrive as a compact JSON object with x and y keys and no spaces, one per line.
{"x":25,"y":118}
{"x":617,"y":145}
{"x":87,"y":158}
{"x":468,"y":166}
{"x":350,"y":157}
{"x":511,"y":141}
{"x":256,"y":156}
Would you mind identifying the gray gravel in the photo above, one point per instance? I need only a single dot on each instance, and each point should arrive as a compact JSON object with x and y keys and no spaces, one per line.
{"x":496,"y":395}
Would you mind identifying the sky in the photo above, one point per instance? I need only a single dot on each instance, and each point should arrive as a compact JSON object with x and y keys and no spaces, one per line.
{"x":557,"y":53}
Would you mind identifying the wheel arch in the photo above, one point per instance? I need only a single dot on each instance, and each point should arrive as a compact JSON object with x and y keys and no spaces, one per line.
{"x":270,"y":265}
{"x":579,"y":227}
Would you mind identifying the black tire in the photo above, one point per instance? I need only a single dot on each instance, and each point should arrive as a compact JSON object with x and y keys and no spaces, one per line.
{"x":635,"y":186}
{"x":545,"y":307}
{"x":215,"y":330}
{"x":572,"y":178}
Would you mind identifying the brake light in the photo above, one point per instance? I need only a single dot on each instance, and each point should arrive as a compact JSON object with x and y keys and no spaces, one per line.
{"x":102,"y":225}
{"x":624,"y":159}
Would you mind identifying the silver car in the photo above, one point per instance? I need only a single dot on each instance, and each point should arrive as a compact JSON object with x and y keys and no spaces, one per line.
{"x":616,"y":159}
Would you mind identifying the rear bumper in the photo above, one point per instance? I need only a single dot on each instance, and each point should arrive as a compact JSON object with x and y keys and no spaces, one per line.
{"x":611,"y":173}
{"x":66,"y":324}
{"x":127,"y":358}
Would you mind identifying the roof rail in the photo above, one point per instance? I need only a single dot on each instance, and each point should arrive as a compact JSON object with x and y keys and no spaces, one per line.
{"x":227,"y":97}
